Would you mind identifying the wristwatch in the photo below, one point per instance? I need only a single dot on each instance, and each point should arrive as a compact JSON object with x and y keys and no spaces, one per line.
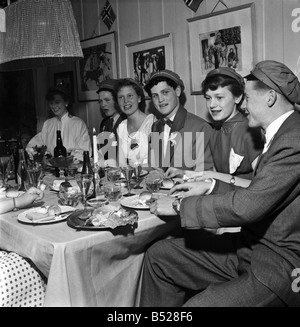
{"x":232,"y":180}
{"x":176,"y":205}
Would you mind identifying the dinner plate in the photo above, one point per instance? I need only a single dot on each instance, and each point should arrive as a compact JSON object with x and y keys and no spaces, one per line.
{"x":133,"y":202}
{"x":77,"y":223}
{"x":22,"y":216}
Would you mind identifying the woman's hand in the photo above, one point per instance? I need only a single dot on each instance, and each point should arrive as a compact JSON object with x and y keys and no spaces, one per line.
{"x":191,"y":188}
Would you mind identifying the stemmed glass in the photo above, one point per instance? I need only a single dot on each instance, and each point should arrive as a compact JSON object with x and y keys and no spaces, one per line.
{"x":61,"y":163}
{"x":5,"y":166}
{"x":84,"y":182}
{"x":137,"y":174}
{"x":127,"y":172}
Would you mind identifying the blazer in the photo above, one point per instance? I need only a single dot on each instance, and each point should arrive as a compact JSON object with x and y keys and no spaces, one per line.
{"x":188,"y":145}
{"x":268,"y":211}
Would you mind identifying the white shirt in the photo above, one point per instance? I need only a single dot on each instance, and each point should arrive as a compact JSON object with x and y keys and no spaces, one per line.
{"x":74,"y":132}
{"x":273,"y":128}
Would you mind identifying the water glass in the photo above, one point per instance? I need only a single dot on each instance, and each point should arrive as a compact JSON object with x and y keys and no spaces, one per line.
{"x":112,"y":191}
{"x":113,"y":174}
{"x":33,"y":177}
{"x":69,"y":196}
{"x":153,"y":185}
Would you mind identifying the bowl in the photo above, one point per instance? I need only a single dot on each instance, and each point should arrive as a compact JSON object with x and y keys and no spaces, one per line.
{"x":97,"y":202}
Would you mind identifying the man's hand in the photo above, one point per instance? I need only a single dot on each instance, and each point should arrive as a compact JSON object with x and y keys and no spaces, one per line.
{"x":163,"y":206}
{"x":174,"y":172}
{"x":191,"y":188}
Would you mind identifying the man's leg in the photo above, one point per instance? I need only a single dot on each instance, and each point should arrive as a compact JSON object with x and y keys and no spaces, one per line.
{"x":243,"y":291}
{"x":172,"y":270}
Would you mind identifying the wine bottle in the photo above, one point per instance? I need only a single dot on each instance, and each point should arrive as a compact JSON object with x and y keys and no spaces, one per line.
{"x":88,"y":169}
{"x":59,"y":150}
{"x":22,"y":175}
{"x":18,"y":155}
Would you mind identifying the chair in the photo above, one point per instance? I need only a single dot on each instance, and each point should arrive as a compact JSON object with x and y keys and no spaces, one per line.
{"x":21,"y":285}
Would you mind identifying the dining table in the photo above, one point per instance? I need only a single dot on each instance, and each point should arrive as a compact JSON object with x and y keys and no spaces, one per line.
{"x":86,"y":268}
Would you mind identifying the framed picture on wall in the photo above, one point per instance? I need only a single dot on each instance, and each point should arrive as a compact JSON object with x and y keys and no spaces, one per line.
{"x":99,"y":63}
{"x":148,"y":56}
{"x":221,"y":39}
{"x":66,"y":81}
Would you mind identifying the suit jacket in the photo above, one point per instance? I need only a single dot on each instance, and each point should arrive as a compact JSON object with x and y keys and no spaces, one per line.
{"x":268,"y":211}
{"x":188,"y":145}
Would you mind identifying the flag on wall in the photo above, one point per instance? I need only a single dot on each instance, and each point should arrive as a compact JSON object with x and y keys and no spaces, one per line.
{"x":193,"y":4}
{"x":108,"y":15}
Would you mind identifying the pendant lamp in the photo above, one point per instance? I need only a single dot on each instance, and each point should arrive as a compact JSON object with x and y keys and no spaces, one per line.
{"x":39,"y":33}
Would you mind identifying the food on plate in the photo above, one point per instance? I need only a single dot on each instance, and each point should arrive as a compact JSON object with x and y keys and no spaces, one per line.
{"x":168,"y":183}
{"x":43,"y":212}
{"x":145,"y":198}
{"x":54,"y":210}
{"x":111,"y":216}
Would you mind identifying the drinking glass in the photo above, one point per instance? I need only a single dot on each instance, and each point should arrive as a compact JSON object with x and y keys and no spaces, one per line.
{"x":34,"y":176}
{"x":137,"y":175}
{"x":113,"y":174}
{"x":112,"y":191}
{"x":5,"y":167}
{"x":127,"y":172}
{"x":69,"y":195}
{"x":153,"y":184}
{"x":84,"y":182}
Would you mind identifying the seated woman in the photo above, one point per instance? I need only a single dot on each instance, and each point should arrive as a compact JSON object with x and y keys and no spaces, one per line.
{"x":235,"y":147}
{"x":75,"y":135}
{"x":21,"y":283}
{"x":133,"y":132}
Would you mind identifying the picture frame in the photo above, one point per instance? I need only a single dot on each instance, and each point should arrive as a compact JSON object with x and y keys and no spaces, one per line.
{"x":224,"y":38}
{"x":99,"y":63}
{"x":149,"y":55}
{"x":66,"y":81}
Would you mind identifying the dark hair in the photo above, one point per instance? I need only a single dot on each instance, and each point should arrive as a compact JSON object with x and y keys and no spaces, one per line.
{"x":213,"y":82}
{"x":159,"y":79}
{"x":136,"y":86}
{"x":56,"y":90}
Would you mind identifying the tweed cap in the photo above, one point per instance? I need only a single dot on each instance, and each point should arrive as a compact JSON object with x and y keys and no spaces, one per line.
{"x":227,"y":71}
{"x":108,"y":84}
{"x":164,"y":73}
{"x":278,"y":77}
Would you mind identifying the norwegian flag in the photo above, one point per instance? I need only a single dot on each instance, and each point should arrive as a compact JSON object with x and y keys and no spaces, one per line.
{"x":108,"y":16}
{"x":193,"y":4}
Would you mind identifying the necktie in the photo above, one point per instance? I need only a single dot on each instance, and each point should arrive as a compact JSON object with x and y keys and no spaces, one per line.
{"x":109,"y":125}
{"x":165,"y":121}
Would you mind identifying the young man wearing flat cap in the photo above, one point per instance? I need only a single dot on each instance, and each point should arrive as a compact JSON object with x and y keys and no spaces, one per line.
{"x":260,"y":265}
{"x":179,"y":139}
{"x":112,"y":114}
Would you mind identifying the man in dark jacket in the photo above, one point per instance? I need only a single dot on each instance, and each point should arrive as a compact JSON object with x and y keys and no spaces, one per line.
{"x":258,"y":266}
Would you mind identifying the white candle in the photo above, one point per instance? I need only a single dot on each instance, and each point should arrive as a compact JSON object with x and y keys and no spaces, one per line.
{"x":95,"y":148}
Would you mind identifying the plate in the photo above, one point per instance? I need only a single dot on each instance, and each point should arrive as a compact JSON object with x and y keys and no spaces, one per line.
{"x":133,"y":202}
{"x":77,"y":223}
{"x":22,"y":216}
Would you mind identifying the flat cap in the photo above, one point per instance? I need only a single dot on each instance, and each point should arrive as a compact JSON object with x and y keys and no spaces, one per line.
{"x":227,"y":71}
{"x":167,"y":74}
{"x":278,"y":77}
{"x":108,"y":84}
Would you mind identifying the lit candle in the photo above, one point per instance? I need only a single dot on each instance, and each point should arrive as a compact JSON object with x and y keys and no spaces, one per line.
{"x":95,"y":148}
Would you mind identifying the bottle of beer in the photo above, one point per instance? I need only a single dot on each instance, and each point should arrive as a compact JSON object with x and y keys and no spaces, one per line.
{"x":22,"y":175}
{"x":59,"y":150}
{"x":88,"y":169}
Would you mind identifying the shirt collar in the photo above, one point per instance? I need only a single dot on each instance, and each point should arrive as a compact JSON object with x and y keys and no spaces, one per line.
{"x":272,"y":129}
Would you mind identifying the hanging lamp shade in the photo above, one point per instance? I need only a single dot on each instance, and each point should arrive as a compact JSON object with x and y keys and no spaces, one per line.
{"x":39,"y":33}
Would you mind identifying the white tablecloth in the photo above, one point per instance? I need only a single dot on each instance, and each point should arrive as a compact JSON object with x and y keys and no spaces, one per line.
{"x":85,"y":268}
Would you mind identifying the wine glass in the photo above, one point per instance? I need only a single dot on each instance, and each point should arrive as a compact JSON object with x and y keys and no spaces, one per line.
{"x":137,"y":174}
{"x":62,"y":163}
{"x":113,"y":174}
{"x":127,"y":172}
{"x":5,"y":166}
{"x":84,"y":182}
